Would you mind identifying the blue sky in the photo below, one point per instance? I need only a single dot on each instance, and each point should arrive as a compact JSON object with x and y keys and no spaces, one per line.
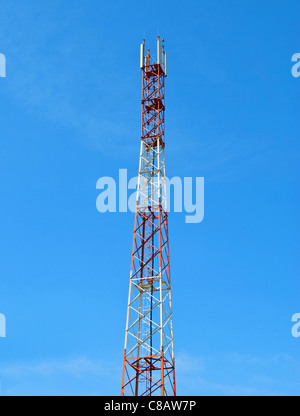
{"x":70,"y":113}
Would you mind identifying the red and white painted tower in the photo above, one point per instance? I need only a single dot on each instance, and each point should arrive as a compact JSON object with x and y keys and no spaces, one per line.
{"x":149,"y":364}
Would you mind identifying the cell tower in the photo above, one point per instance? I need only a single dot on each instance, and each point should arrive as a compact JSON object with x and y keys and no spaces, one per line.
{"x":149,"y":365}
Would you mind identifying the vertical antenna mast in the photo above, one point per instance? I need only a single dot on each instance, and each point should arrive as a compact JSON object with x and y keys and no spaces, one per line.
{"x":149,"y":364}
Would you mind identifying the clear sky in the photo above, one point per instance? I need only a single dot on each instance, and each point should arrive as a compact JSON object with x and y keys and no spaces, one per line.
{"x":70,"y":113}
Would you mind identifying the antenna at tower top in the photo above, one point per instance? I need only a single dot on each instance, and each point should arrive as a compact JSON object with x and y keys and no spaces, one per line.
{"x":142,"y":58}
{"x":158,"y":50}
{"x":160,"y":60}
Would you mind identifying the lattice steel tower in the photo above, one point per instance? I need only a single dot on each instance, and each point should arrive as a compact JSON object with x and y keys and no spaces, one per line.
{"x":149,"y":365}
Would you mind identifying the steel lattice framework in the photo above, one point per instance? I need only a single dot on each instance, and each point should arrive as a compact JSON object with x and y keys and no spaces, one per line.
{"x":149,"y":366}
